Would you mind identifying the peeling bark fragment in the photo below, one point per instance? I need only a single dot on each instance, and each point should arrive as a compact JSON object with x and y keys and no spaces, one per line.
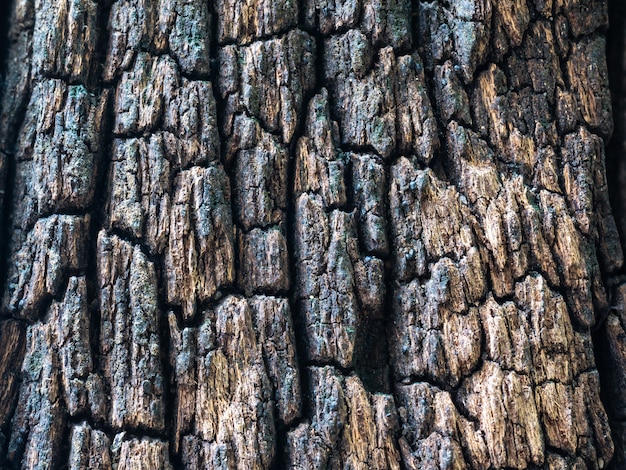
{"x":493,"y":395}
{"x":234,"y":406}
{"x":461,"y":32}
{"x":141,"y":94}
{"x":331,"y":15}
{"x":55,"y":246}
{"x":190,"y":125}
{"x":143,"y":454}
{"x":434,"y":432}
{"x":223,"y":395}
{"x":129,"y":334}
{"x":371,"y":423}
{"x":428,"y":220}
{"x":533,"y":349}
{"x":12,"y":349}
{"x":89,"y":448}
{"x":505,"y":236}
{"x":264,"y":262}
{"x":199,"y":258}
{"x":435,"y":42}
{"x":451,"y":97}
{"x":128,"y":25}
{"x":139,"y":201}
{"x":268,"y":80}
{"x":580,"y":154}
{"x":576,"y":258}
{"x":58,"y":151}
{"x":539,"y":55}
{"x":260,"y":181}
{"x":364,"y":100}
{"x":584,"y":16}
{"x":180,"y":27}
{"x":472,"y":165}
{"x":369,"y":274}
{"x":58,"y":381}
{"x":64,"y":39}
{"x":587,"y":73}
{"x":69,"y":322}
{"x":273,"y":325}
{"x":416,"y":125}
{"x":319,"y":167}
{"x":434,"y":333}
{"x":310,"y":444}
{"x":189,"y":35}
{"x":242,"y":22}
{"x":368,"y":187}
{"x":511,"y":21}
{"x":567,"y":112}
{"x":326,"y":250}
{"x":387,"y":22}
{"x":182,"y":357}
{"x":517,"y":137}
{"x":16,"y":88}
{"x":349,"y":427}
{"x":39,"y":420}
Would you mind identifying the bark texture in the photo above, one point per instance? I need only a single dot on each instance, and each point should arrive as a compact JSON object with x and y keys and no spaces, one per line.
{"x":304,"y":234}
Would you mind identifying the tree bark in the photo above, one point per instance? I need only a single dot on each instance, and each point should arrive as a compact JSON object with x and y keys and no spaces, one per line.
{"x":265,"y":234}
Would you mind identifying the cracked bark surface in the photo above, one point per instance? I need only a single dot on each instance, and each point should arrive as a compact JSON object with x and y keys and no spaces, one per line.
{"x":312,"y":234}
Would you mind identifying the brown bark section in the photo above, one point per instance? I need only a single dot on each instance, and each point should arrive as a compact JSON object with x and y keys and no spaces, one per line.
{"x":281,"y":234}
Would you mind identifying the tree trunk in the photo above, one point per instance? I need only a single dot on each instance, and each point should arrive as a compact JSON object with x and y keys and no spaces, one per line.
{"x":312,"y":234}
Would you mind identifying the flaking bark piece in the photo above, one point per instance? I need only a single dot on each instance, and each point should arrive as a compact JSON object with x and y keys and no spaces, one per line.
{"x":139,"y":200}
{"x":190,"y":125}
{"x":234,"y":408}
{"x":89,"y":448}
{"x":143,"y":454}
{"x":319,"y":166}
{"x":434,"y":333}
{"x":587,"y":72}
{"x":348,"y":428}
{"x":65,"y":37}
{"x":55,"y":246}
{"x":199,"y":258}
{"x":129,"y":335}
{"x":273,"y":324}
{"x":12,"y":349}
{"x":369,"y":182}
{"x":260,"y":183}
{"x":245,"y":21}
{"x":434,"y":433}
{"x":69,"y":322}
{"x":177,"y":27}
{"x":142,"y":93}
{"x":58,"y":151}
{"x":429,"y":220}
{"x":326,"y":250}
{"x":40,"y":417}
{"x":264,"y":262}
{"x":268,"y":80}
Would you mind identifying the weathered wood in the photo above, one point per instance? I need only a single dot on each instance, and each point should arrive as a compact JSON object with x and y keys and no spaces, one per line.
{"x":317,"y":234}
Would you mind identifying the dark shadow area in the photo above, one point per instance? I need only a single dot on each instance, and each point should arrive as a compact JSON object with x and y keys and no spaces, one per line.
{"x":5,"y":17}
{"x":607,"y":357}
{"x":615,"y":161}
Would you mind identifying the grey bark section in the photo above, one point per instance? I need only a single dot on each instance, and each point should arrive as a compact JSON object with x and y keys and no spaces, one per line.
{"x":316,"y":234}
{"x":129,"y":335}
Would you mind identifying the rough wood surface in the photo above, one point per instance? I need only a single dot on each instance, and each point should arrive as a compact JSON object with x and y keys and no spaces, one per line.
{"x":361,"y":234}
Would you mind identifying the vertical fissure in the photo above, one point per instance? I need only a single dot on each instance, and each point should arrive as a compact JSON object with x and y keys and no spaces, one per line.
{"x":609,"y":331}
